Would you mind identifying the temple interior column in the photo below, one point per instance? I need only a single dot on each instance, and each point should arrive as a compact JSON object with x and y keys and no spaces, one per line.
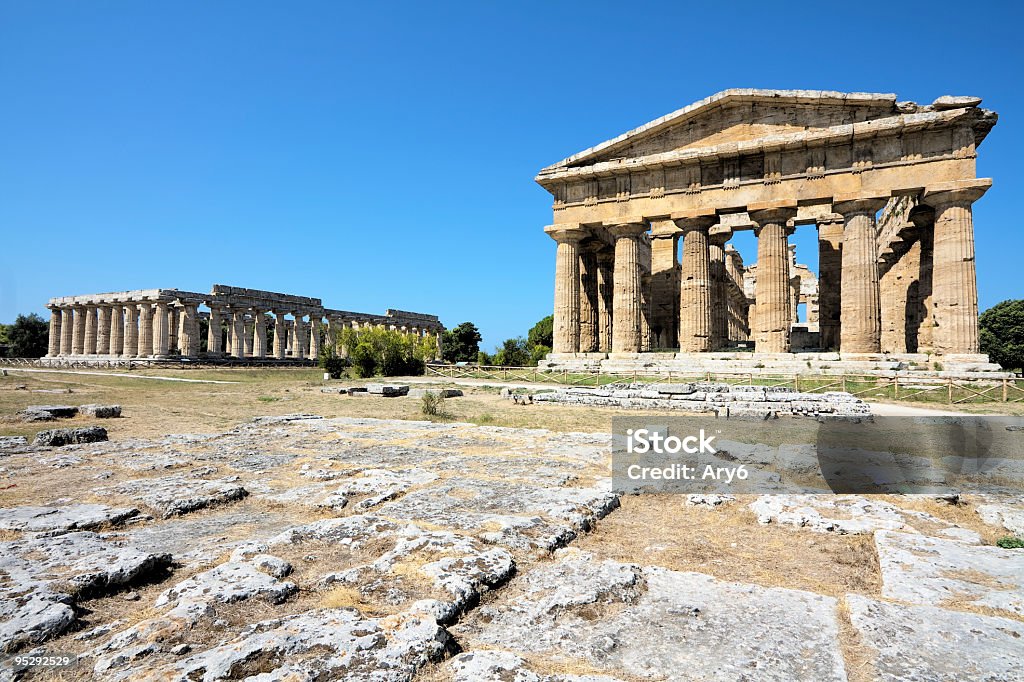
{"x":954,"y":278}
{"x":161,"y":332}
{"x":103,"y":329}
{"x":279,"y":335}
{"x":627,"y":298}
{"x":830,"y":278}
{"x":605,"y":294}
{"x":89,"y":343}
{"x":53,"y":346}
{"x":299,"y":335}
{"x":131,"y":330}
{"x":695,"y":285}
{"x":664,"y":282}
{"x":213,"y":333}
{"x":860,"y":306}
{"x":67,"y":330}
{"x":588,"y":298}
{"x":566,"y":333}
{"x":249,"y":333}
{"x":719,"y":289}
{"x":923,"y":218}
{"x":116,"y":347}
{"x":190,"y":330}
{"x":259,"y":334}
{"x":772,"y":318}
{"x":172,"y":329}
{"x":896,"y":287}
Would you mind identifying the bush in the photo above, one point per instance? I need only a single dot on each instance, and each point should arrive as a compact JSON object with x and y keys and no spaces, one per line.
{"x":432,"y":405}
{"x":1001,"y":333}
{"x":28,"y":337}
{"x":329,"y":358}
{"x":513,"y":353}
{"x":386,"y":352}
{"x":1010,"y":542}
{"x":538,"y":353}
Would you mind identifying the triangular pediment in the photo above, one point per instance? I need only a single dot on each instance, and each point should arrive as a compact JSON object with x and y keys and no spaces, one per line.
{"x":737,"y":116}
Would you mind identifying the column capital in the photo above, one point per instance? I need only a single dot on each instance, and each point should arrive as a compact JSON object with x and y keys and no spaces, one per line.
{"x":719,"y":235}
{"x":566,"y":232}
{"x":631,"y":227}
{"x":922,"y":216}
{"x":847,"y":204}
{"x":689,"y":223}
{"x":664,"y":228}
{"x":829,"y":219}
{"x":958,"y":190}
{"x":761,"y":215}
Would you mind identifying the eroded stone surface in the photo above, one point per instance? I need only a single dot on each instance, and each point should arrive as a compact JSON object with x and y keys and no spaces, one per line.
{"x":63,"y":519}
{"x":179,"y":494}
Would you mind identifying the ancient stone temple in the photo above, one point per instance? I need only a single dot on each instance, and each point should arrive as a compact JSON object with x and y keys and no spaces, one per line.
{"x":162,"y":324}
{"x":642,"y":224}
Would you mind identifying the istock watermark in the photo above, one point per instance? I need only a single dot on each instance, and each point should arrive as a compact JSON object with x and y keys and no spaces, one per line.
{"x":697,"y":454}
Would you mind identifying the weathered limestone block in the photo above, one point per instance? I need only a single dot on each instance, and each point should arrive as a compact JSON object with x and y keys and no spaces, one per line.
{"x":45,"y":413}
{"x":387,"y":389}
{"x":101,"y":411}
{"x":59,"y":437}
{"x":177,"y":494}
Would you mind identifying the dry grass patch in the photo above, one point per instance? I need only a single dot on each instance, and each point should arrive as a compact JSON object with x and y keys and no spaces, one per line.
{"x":728,"y":543}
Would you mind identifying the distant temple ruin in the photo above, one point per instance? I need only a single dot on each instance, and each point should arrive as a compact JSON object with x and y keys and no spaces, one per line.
{"x":165,"y":323}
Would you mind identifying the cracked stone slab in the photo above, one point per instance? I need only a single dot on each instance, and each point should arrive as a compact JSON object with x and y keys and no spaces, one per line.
{"x":179,"y":494}
{"x":375,"y":486}
{"x":926,"y":570}
{"x":1003,"y":516}
{"x":509,"y":513}
{"x":847,"y":515}
{"x":63,"y":519}
{"x":931,"y":643}
{"x":41,"y":577}
{"x":649,"y":622}
{"x":502,"y":666}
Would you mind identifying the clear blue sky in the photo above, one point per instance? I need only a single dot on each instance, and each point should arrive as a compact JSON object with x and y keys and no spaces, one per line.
{"x":382,"y":154}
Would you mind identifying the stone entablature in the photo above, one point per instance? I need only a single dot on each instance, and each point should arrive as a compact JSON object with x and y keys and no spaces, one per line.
{"x":768,"y":161}
{"x":164,"y":323}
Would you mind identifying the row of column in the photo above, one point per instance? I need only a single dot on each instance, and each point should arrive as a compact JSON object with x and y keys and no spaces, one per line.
{"x":144,"y":329}
{"x":850,"y":300}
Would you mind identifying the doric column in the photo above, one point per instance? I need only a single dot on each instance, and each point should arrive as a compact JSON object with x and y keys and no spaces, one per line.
{"x":259,"y":334}
{"x":131,"y":330}
{"x":314,"y":337}
{"x":695,"y":285}
{"x":78,"y":335}
{"x":772,"y":319}
{"x":627,"y":314}
{"x":189,"y":336}
{"x":248,"y":333}
{"x":238,"y":333}
{"x":279,"y":335}
{"x":145,"y":329}
{"x":172,"y":328}
{"x":566,"y":337}
{"x":53,"y":347}
{"x":161,"y":333}
{"x":116,"y":345}
{"x":299,"y":335}
{"x":830,"y":279}
{"x":89,"y":343}
{"x":719,"y":288}
{"x":954,"y":280}
{"x":605,"y":295}
{"x":588,"y":298}
{"x":923,"y":217}
{"x":861,"y":321}
{"x":214,"y":334}
{"x":103,"y":329}
{"x":67,"y":330}
{"x":664,"y":283}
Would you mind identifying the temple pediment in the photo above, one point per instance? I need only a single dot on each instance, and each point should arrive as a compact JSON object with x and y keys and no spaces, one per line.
{"x":737,"y":122}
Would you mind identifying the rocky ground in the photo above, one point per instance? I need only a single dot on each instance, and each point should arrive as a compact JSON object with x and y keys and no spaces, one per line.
{"x":301,"y":548}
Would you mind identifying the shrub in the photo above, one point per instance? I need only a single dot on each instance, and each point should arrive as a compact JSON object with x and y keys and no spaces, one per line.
{"x":386,"y":352}
{"x":1010,"y":542}
{"x":432,"y":405}
{"x":538,"y":353}
{"x":28,"y":337}
{"x":513,"y":353}
{"x":1001,"y":333}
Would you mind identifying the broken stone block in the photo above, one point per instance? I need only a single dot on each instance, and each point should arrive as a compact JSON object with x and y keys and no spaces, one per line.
{"x":442,"y":392}
{"x":13,"y":441}
{"x":387,"y":390}
{"x":48,"y":412}
{"x":101,"y":411}
{"x":59,"y":437}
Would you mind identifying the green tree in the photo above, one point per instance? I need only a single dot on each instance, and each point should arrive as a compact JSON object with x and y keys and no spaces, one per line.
{"x":513,"y":353}
{"x":28,"y":337}
{"x":387,"y":352}
{"x":542,"y":333}
{"x":461,"y":344}
{"x":1001,"y":332}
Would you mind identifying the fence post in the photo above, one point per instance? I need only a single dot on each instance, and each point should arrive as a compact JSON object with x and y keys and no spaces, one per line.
{"x":844,"y":384}
{"x":796,"y":383}
{"x":949,"y":390}
{"x":896,"y":388}
{"x":1005,"y":395}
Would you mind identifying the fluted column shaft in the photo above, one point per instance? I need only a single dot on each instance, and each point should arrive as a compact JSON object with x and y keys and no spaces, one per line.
{"x":145,"y":330}
{"x":566,"y":333}
{"x":53,"y":347}
{"x":627,"y":315}
{"x":116,"y":343}
{"x":214,"y":333}
{"x":605,"y":296}
{"x":78,"y":334}
{"x":772,"y":319}
{"x":238,"y":333}
{"x":719,"y":291}
{"x":299,"y":336}
{"x":588,"y":300}
{"x":161,"y":332}
{"x":249,"y":333}
{"x":131,"y":330}
{"x":279,"y":336}
{"x":923,"y":218}
{"x":861,"y":317}
{"x":103,"y":329}
{"x":259,"y":334}
{"x":172,"y":329}
{"x":695,"y":286}
{"x":830,"y":280}
{"x":67,"y":330}
{"x":954,"y":279}
{"x":314,"y":337}
{"x":189,"y":333}
{"x":89,"y":343}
